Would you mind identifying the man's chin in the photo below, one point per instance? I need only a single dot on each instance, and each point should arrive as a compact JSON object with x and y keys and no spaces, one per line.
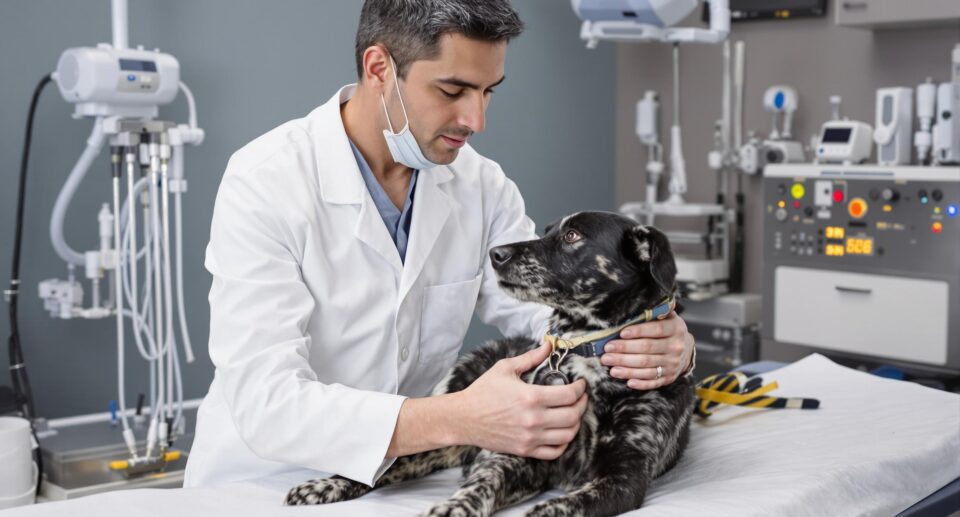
{"x":444,"y":158}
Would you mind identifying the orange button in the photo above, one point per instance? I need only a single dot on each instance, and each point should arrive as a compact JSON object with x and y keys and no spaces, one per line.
{"x":857,"y":208}
{"x":937,"y":227}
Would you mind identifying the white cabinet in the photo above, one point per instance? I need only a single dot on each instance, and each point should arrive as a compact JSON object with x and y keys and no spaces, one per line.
{"x":881,"y":14}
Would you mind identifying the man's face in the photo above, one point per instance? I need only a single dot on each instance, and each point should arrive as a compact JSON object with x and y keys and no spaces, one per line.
{"x":447,"y":97}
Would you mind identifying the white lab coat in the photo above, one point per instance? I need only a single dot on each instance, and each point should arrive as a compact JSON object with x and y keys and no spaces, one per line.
{"x":318,"y":331}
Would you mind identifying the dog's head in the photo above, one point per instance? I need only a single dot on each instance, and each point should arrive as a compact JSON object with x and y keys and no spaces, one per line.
{"x":596,"y":269}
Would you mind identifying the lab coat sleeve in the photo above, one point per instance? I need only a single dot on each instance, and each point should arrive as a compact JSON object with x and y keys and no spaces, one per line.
{"x":509,"y":224}
{"x":259,"y":311}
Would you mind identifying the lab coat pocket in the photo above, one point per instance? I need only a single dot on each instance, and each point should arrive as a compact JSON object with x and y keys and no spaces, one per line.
{"x":445,"y":317}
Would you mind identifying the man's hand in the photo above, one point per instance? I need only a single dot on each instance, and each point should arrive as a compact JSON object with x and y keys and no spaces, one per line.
{"x":502,"y":413}
{"x":645,"y":346}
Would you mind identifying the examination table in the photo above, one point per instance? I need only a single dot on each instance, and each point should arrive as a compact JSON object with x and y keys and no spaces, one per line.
{"x":874,"y":447}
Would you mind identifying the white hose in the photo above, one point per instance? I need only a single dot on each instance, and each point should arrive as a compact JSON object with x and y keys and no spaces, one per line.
{"x":121,"y":387}
{"x":94,"y":143}
{"x":191,"y":104}
{"x":159,"y":326}
{"x":178,"y":232}
{"x":167,"y":284}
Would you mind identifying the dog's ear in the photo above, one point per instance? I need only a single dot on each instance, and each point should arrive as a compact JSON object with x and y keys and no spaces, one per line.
{"x":650,"y":248}
{"x":550,"y":226}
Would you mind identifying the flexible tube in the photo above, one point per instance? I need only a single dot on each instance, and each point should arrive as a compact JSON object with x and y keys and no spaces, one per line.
{"x":131,"y":262}
{"x":157,"y":279}
{"x":167,"y":284}
{"x":127,"y":432}
{"x":178,"y":233}
{"x":94,"y":143}
{"x":191,"y":104}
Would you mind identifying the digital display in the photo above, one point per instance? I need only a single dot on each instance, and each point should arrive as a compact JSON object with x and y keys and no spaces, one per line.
{"x":834,"y":250}
{"x":135,"y":65}
{"x":859,"y":246}
{"x":836,"y":135}
{"x":834,"y":232}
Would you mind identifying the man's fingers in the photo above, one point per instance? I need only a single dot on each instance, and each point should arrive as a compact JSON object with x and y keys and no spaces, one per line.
{"x":644,"y":374}
{"x":652,"y":329}
{"x":560,"y":436}
{"x":530,"y":359}
{"x":565,"y":417}
{"x":548,"y":452}
{"x":559,"y":396}
{"x":637,"y":346}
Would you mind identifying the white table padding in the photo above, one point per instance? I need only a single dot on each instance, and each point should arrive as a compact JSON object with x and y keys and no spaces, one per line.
{"x":875,"y":447}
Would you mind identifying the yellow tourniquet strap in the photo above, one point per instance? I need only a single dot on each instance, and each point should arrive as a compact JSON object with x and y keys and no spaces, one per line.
{"x":736,"y":389}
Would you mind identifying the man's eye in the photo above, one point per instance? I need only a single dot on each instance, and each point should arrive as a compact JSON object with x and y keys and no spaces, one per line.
{"x":449,"y":95}
{"x":571,"y":236}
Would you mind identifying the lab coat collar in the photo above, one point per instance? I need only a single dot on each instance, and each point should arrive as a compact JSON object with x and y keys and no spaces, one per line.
{"x":337,"y":170}
{"x":341,"y":183}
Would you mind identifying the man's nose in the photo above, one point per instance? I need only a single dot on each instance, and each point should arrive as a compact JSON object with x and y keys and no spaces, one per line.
{"x":474,"y":115}
{"x":500,"y":255}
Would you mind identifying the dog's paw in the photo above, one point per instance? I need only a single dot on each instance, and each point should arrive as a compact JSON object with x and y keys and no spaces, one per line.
{"x":326,"y":490}
{"x":452,"y":508}
{"x":553,"y":508}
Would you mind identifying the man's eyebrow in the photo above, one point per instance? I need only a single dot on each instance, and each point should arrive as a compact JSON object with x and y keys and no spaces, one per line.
{"x":453,"y":81}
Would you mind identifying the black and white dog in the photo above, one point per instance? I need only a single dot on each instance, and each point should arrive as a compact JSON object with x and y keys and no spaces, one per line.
{"x":598,"y":271}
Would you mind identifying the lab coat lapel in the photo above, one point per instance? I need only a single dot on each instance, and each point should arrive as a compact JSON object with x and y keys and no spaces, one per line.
{"x":431,"y":208}
{"x":373,"y":232}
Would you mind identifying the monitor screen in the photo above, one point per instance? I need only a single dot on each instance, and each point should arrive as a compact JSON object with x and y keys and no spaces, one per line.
{"x":836,"y":135}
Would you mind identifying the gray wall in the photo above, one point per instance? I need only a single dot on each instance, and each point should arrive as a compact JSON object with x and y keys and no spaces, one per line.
{"x":814,"y":56}
{"x":253,"y":65}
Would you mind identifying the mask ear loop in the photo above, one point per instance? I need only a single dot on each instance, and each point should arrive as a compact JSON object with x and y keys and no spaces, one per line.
{"x":396,"y":84}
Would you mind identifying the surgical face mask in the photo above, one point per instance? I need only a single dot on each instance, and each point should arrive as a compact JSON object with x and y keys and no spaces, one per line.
{"x":403,"y":146}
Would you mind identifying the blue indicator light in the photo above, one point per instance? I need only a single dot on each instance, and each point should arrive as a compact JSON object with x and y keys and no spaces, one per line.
{"x":131,"y":78}
{"x":924,"y":200}
{"x":778,"y":100}
{"x":952,"y":210}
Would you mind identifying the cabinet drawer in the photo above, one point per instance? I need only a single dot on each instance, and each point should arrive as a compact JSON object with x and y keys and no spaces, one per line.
{"x":885,"y":316}
{"x":896,"y":13}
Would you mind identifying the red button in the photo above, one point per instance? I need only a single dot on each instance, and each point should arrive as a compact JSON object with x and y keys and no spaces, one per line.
{"x":796,"y":204}
{"x":937,"y":227}
{"x":857,"y":208}
{"x":838,"y":196}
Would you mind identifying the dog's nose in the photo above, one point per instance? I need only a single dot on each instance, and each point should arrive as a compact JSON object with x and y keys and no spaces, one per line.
{"x":500,"y":255}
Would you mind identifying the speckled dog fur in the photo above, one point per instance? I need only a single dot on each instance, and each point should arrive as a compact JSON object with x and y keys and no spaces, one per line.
{"x":596,"y":270}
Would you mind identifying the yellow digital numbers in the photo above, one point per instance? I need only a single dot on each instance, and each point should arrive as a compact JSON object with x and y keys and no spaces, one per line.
{"x":834,"y":232}
{"x":859,"y":246}
{"x":834,"y":250}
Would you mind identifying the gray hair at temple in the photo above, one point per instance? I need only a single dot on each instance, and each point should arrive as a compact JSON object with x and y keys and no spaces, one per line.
{"x":411,"y":29}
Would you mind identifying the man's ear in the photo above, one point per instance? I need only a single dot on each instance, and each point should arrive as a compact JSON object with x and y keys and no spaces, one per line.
{"x":376,"y":67}
{"x":650,"y":248}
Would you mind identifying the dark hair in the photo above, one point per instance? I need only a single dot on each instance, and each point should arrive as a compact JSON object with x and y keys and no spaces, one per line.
{"x":411,"y":29}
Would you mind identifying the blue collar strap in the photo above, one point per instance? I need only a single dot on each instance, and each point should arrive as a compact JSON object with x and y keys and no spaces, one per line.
{"x":591,"y":345}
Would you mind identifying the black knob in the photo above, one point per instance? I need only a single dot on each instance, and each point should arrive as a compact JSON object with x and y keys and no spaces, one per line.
{"x":500,"y":255}
{"x":937,"y":194}
{"x":808,"y":211}
{"x":874,"y":194}
{"x":922,"y":195}
{"x":781,"y":189}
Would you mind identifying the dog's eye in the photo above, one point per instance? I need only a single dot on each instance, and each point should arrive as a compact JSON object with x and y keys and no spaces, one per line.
{"x":571,"y":236}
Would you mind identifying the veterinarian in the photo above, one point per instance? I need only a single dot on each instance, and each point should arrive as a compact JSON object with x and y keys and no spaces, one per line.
{"x":349,"y":250}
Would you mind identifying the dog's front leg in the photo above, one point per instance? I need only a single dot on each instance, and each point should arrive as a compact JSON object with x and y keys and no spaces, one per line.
{"x":335,"y":489}
{"x":493,"y":482}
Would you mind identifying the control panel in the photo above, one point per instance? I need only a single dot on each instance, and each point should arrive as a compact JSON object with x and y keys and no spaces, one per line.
{"x":854,"y":255}
{"x":882,"y":223}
